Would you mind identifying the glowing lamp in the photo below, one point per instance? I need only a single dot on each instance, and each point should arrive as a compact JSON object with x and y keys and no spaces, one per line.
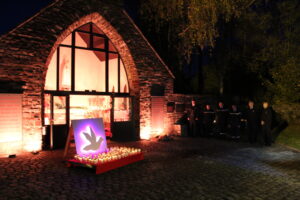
{"x":145,"y":133}
{"x":89,"y":136}
{"x":33,"y":146}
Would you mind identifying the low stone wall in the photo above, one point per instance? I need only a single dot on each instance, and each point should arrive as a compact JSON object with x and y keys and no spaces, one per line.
{"x":185,"y":100}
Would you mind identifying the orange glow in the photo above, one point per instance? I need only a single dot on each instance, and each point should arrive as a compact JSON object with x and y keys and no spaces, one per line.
{"x":145,"y":133}
{"x":148,"y":133}
{"x":157,"y":115}
{"x":159,"y":131}
{"x":10,"y":123}
{"x":33,"y":144}
{"x":10,"y":147}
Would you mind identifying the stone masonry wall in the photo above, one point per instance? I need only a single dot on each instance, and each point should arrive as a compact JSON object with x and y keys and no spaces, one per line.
{"x":173,"y":117}
{"x":26,"y":51}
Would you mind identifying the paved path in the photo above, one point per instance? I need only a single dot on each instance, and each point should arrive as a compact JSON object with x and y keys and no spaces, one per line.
{"x":185,"y":168}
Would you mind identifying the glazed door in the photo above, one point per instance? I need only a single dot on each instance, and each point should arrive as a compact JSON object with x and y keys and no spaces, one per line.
{"x":55,"y":120}
{"x":60,"y":121}
{"x":122,"y":122}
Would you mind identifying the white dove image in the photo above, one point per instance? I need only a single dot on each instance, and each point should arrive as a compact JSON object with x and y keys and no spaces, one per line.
{"x":91,"y":137}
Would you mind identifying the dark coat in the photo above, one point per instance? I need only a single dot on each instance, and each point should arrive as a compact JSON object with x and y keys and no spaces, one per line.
{"x":266,"y":117}
{"x":221,"y":116}
{"x":208,"y":116}
{"x":193,"y":114}
{"x":222,"y":119}
{"x":235,"y":119}
{"x":251,"y":116}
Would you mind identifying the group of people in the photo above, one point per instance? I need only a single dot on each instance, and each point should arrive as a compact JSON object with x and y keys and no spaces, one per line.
{"x":230,"y":122}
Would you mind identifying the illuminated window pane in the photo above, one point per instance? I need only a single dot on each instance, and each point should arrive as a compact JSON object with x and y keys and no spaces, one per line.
{"x":85,"y":27}
{"x":67,"y":40}
{"x":99,"y":42}
{"x":47,"y":109}
{"x":82,"y":39}
{"x":64,"y":68}
{"x":113,"y":72}
{"x":111,"y":47}
{"x":51,"y":73}
{"x":90,"y":106}
{"x":90,"y":66}
{"x":59,"y":109}
{"x":123,"y":79}
{"x":89,"y":70}
{"x":97,"y":30}
{"x":122,"y":109}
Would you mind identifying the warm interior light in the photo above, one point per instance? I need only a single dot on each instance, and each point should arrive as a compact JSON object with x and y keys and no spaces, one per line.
{"x":86,"y":61}
{"x":90,"y":106}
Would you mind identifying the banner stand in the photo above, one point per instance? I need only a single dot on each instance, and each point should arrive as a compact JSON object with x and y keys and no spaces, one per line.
{"x":70,"y":141}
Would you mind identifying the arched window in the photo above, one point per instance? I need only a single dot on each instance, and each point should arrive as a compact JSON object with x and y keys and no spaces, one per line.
{"x":86,"y":60}
{"x":83,"y":73}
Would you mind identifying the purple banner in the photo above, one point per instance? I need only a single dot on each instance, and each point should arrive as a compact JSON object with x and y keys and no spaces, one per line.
{"x":89,"y":136}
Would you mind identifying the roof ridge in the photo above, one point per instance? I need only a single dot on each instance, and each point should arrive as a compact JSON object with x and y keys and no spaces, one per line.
{"x":29,"y":19}
{"x":143,"y":36}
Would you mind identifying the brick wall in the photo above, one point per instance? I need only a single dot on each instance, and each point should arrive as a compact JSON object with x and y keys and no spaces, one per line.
{"x":26,"y":51}
{"x":185,"y":99}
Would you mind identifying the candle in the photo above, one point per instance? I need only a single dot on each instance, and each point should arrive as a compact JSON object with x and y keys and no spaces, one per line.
{"x":112,"y":154}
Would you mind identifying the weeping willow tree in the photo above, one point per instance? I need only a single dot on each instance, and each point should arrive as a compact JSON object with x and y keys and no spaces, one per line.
{"x":183,"y":27}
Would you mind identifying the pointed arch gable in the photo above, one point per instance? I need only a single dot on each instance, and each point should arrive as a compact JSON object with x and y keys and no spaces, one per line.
{"x":114,"y":37}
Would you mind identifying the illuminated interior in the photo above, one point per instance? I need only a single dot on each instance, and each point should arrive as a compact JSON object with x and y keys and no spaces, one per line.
{"x":47,"y":109}
{"x":92,"y":58}
{"x":59,"y":106}
{"x":122,"y":109}
{"x":90,"y":106}
{"x":85,"y":75}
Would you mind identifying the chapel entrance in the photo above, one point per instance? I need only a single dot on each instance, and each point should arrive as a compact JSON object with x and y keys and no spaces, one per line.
{"x":86,"y":78}
{"x":60,"y":110}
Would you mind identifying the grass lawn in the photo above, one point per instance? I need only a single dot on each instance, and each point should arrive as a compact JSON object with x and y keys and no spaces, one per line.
{"x":290,"y":136}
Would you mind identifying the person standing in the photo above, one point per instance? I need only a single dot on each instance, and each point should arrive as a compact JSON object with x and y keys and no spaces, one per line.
{"x":193,"y":116}
{"x":234,"y":124}
{"x":251,"y":118}
{"x":208,"y":116}
{"x":266,"y":123}
{"x":221,"y":118}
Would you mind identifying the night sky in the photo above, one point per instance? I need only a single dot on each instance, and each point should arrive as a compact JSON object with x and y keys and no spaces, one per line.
{"x":12,"y":13}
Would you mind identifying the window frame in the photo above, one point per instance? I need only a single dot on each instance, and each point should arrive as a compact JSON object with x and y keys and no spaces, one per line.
{"x":90,"y":48}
